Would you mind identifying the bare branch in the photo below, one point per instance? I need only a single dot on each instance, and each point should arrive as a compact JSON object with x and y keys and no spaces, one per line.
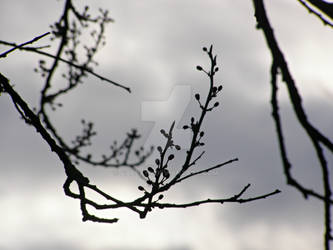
{"x":158,"y":178}
{"x":322,"y":6}
{"x":316,"y":137}
{"x":72,"y":172}
{"x":207,"y":169}
{"x":234,"y":199}
{"x":20,"y":46}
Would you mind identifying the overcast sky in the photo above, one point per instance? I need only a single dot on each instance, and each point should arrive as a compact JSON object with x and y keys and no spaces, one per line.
{"x":154,"y":47}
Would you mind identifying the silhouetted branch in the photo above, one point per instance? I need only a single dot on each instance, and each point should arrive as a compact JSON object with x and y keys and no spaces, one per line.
{"x":318,"y":139}
{"x":234,"y":199}
{"x":158,"y":178}
{"x":322,"y":6}
{"x":80,"y":67}
{"x":207,"y":169}
{"x":28,"y":115}
{"x":119,"y":155}
{"x":67,"y":32}
{"x":20,"y":46}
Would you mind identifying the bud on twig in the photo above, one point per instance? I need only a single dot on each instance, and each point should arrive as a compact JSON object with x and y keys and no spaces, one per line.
{"x":199,"y":68}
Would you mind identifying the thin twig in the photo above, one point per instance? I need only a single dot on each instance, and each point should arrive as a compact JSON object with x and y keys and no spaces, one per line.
{"x":20,"y":46}
{"x":207,"y":169}
{"x":234,"y":199}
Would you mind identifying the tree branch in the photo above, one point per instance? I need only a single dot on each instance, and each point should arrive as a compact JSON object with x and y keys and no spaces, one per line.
{"x":20,"y":46}
{"x":322,"y":6}
{"x":317,"y":138}
{"x":207,"y":169}
{"x":233,"y":199}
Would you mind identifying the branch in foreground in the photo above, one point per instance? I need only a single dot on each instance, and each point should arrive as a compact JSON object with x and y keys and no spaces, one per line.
{"x":207,"y":169}
{"x":158,"y":178}
{"x":235,"y":199}
{"x":29,"y":116}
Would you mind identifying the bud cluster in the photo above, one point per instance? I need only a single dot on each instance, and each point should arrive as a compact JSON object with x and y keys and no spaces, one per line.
{"x":157,"y":176}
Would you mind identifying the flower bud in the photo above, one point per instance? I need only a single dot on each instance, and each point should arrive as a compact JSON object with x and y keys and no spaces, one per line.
{"x":166,"y":173}
{"x":151,"y":170}
{"x":145,"y":173}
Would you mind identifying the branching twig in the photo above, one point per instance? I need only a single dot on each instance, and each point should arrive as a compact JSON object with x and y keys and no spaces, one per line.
{"x":158,"y":179}
{"x":20,"y":46}
{"x":67,"y":32}
{"x":234,"y":199}
{"x":80,"y":67}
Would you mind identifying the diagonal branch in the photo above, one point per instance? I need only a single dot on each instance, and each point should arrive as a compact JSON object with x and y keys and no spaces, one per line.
{"x":322,"y":6}
{"x":80,"y":67}
{"x":207,"y":169}
{"x":158,"y":178}
{"x":20,"y":46}
{"x":30,"y":117}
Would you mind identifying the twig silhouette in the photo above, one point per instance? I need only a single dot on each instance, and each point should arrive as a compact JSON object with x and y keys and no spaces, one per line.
{"x":158,"y":178}
{"x":68,"y":32}
{"x":322,"y":7}
{"x":318,"y":139}
{"x":20,"y":46}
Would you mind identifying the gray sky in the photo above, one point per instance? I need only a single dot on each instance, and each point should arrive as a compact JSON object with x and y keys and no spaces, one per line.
{"x":153,"y":47}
